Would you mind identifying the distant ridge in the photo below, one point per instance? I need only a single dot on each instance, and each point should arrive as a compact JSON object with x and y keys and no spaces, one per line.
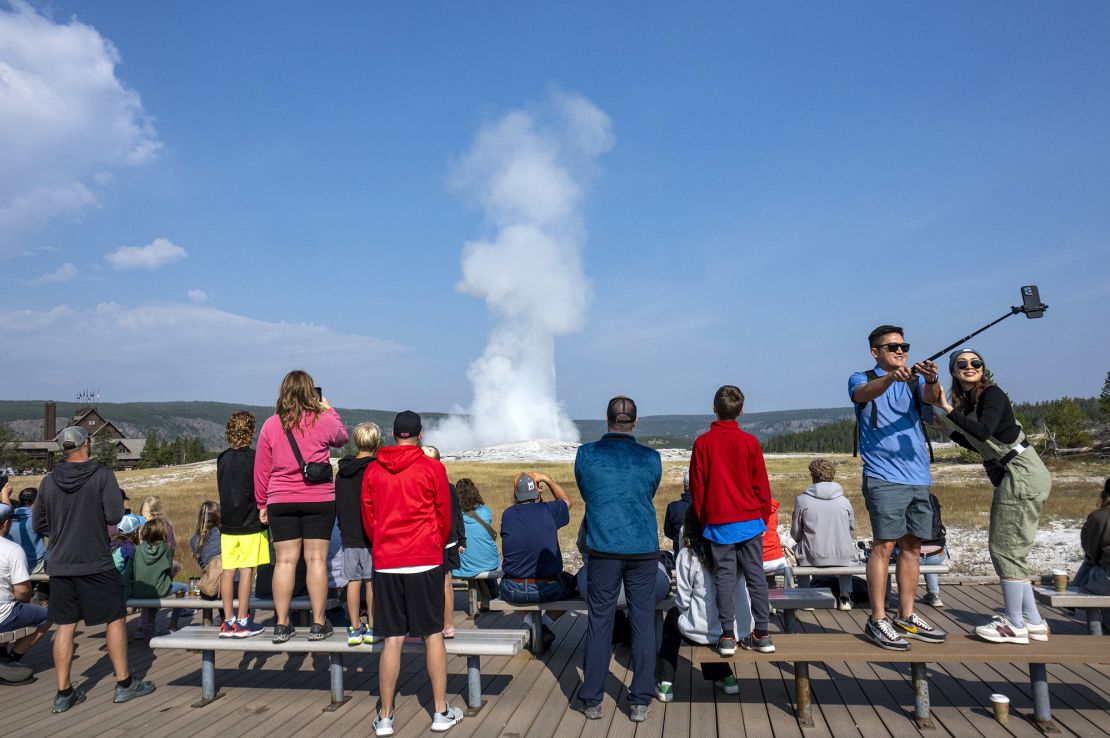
{"x":206,"y":420}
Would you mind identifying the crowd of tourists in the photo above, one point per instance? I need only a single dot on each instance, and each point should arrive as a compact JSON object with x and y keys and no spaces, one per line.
{"x":392,"y":528}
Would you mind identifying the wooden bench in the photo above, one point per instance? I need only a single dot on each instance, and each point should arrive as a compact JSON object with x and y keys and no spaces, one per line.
{"x":11,"y":636}
{"x":965,"y":648}
{"x":1074,"y":597}
{"x":300,"y":605}
{"x":786,"y":600}
{"x":470,"y":642}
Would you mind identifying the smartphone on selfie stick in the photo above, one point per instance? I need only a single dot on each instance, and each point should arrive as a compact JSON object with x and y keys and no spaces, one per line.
{"x":1031,"y":306}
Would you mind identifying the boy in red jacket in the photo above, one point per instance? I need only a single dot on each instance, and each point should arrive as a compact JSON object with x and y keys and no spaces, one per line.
{"x":406,"y":512}
{"x":732,"y":499}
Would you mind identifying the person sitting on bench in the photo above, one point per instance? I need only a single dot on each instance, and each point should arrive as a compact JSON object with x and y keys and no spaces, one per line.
{"x":824,"y":527}
{"x":1094,"y":573}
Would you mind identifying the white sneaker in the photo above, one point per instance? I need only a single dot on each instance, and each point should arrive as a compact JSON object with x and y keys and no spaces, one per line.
{"x":447,"y":719}
{"x":383,"y":725}
{"x":844,"y":603}
{"x":1001,"y":630}
{"x":1038,"y":632}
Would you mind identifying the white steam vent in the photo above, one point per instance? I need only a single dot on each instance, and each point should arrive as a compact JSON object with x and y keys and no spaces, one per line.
{"x":528,"y":171}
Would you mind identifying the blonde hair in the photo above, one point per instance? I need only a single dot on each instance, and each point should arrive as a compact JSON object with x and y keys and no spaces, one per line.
{"x":240,"y":429}
{"x":154,"y":532}
{"x":431,"y":452}
{"x":208,"y":518}
{"x":822,"y":470}
{"x":368,"y":437}
{"x":151,"y":508}
{"x":297,"y":398}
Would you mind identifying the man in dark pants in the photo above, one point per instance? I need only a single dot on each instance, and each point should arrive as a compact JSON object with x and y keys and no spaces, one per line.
{"x":76,"y":503}
{"x":617,"y":478}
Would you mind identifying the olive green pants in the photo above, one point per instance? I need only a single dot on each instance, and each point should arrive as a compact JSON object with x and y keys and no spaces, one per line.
{"x":1016,"y":514}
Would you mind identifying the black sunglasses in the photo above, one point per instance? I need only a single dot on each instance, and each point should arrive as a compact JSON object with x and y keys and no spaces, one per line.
{"x":964,"y":364}
{"x":892,"y":347}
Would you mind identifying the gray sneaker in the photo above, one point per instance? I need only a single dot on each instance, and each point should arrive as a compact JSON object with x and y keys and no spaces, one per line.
{"x":916,"y":626}
{"x":639,"y":713}
{"x":883,"y":633}
{"x":63,"y":702}
{"x":932,"y":599}
{"x":447,"y":719}
{"x":138,"y":688}
{"x":593,"y":712}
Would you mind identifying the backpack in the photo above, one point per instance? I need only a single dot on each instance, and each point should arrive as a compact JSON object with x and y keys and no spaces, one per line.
{"x":939,"y":532}
{"x":872,"y":375}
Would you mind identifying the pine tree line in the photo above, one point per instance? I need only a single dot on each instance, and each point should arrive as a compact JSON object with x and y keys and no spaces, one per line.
{"x":181,"y":450}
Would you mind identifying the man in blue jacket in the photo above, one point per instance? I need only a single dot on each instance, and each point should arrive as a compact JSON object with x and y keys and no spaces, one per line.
{"x":617,"y":478}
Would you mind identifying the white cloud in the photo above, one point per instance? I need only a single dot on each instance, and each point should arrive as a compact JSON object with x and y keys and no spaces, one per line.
{"x":181,"y":350}
{"x":64,"y":273}
{"x":197,"y":295}
{"x":66,"y":121}
{"x":158,"y":252}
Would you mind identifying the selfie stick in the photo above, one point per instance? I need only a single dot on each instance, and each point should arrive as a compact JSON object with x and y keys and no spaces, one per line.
{"x":1031,"y":305}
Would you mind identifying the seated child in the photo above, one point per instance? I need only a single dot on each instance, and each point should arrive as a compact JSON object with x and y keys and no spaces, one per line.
{"x":152,"y":574}
{"x":823,"y":526}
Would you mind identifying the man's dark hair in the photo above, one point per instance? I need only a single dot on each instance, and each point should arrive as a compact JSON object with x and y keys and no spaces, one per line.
{"x":27,"y":496}
{"x":728,"y":403}
{"x":621,"y":414}
{"x":874,"y":336}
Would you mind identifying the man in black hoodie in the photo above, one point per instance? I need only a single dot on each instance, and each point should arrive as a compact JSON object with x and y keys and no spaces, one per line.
{"x":76,"y":503}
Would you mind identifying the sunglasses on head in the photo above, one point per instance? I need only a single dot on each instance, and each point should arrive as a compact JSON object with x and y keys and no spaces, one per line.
{"x":964,"y":364}
{"x":892,"y":347}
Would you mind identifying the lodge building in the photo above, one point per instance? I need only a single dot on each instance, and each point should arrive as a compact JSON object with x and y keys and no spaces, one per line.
{"x":41,"y":454}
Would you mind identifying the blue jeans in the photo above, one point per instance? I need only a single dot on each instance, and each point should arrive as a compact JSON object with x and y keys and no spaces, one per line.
{"x":932,"y":581}
{"x":602,"y":587}
{"x":529,"y":594}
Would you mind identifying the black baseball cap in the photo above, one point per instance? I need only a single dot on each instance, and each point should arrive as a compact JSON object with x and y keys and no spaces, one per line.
{"x":406,"y":425}
{"x":621,"y":410}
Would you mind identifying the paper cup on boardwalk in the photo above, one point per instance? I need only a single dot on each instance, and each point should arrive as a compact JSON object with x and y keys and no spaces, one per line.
{"x":1000,"y":703}
{"x":1060,"y":580}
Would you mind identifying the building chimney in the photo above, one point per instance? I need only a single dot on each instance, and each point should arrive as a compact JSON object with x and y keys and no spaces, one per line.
{"x":50,"y":421}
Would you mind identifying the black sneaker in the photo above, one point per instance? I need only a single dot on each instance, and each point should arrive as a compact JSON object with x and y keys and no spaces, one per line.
{"x":283,"y":633}
{"x":726,"y":644}
{"x":320,"y":631}
{"x":915,"y":626}
{"x":138,"y":688}
{"x":63,"y":702}
{"x":883,"y":633}
{"x":763,"y":644}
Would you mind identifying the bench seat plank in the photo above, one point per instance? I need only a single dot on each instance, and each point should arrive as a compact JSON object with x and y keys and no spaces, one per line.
{"x":1073,"y":597}
{"x":859,"y":570}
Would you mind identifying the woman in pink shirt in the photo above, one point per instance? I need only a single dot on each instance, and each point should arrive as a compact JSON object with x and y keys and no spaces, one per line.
{"x":300,"y":514}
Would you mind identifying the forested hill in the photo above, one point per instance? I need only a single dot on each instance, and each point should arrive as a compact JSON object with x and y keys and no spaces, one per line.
{"x":206,"y":420}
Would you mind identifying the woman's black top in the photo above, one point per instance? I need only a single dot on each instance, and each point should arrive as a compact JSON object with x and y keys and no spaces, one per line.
{"x":994,"y":416}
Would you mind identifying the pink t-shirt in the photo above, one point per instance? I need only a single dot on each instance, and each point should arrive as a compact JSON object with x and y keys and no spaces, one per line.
{"x":277,"y":476}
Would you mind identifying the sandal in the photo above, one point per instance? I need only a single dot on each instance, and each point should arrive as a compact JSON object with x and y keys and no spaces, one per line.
{"x":449,"y":632}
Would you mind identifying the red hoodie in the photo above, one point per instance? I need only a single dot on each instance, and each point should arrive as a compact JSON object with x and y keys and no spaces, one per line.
{"x":406,"y":508}
{"x":772,"y":544}
{"x":728,"y":478}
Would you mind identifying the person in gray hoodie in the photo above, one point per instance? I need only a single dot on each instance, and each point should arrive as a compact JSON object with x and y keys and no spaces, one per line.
{"x":823,"y":526}
{"x":76,"y":503}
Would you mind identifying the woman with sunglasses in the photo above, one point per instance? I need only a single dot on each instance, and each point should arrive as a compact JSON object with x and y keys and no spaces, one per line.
{"x":981,"y":419}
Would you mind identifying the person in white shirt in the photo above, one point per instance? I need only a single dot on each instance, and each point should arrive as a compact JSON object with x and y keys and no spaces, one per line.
{"x":16,"y":610}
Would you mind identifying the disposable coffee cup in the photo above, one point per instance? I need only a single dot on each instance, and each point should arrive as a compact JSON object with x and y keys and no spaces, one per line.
{"x":1000,"y":703}
{"x":1060,"y":580}
{"x":179,"y":594}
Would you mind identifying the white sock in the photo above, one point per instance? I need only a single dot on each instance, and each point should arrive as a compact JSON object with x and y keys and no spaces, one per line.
{"x":547,"y":621}
{"x":528,"y":620}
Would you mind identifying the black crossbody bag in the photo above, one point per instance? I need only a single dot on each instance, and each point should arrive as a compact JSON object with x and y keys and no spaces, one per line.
{"x":314,"y":472}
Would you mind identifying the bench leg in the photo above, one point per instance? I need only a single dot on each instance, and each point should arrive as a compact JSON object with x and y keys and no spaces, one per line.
{"x":338,"y":699}
{"x":472,"y":595}
{"x":305,"y":618}
{"x":1042,"y":708}
{"x":205,"y":616}
{"x":802,"y":697}
{"x":474,"y":701}
{"x":921,"y":714}
{"x":537,"y":633}
{"x":208,"y":691}
{"x":789,"y":620}
{"x":1094,"y":621}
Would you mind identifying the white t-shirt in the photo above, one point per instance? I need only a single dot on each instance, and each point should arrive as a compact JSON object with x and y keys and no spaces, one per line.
{"x":13,"y":570}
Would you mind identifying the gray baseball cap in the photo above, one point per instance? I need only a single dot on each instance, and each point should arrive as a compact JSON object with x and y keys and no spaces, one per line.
{"x":72,"y":437}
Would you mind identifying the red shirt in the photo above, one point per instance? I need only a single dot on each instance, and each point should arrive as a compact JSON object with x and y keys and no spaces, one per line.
{"x":406,"y":508}
{"x":772,"y":544}
{"x":728,"y":477}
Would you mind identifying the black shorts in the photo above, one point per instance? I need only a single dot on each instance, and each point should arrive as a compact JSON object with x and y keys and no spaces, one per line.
{"x":94,"y":598}
{"x":451,"y":559}
{"x":408,"y":604}
{"x":290,"y":521}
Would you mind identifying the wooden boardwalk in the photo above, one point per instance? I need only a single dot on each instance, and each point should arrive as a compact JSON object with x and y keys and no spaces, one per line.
{"x":267,"y":695}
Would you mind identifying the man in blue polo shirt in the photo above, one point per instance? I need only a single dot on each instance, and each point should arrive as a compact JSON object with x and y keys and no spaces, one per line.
{"x":889,"y":399}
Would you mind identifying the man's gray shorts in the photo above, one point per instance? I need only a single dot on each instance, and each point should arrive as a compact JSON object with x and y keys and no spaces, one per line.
{"x":357,"y":564}
{"x":898,"y":509}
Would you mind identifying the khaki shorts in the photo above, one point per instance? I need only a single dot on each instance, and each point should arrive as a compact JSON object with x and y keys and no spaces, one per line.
{"x":244,"y":552}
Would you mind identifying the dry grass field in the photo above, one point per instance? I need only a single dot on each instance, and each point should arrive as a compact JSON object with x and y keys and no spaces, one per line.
{"x":963,"y":489}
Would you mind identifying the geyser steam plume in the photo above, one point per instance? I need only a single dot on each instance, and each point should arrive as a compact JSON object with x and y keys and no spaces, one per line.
{"x":528,"y":171}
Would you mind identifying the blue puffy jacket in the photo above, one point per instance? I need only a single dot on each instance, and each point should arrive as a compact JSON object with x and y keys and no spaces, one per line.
{"x":617,"y":478}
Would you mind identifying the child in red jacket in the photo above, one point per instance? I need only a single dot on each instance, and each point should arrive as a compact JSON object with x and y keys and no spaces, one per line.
{"x":732,"y":498}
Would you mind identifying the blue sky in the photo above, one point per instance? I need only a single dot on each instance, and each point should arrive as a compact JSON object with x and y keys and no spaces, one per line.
{"x":782,"y":178}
